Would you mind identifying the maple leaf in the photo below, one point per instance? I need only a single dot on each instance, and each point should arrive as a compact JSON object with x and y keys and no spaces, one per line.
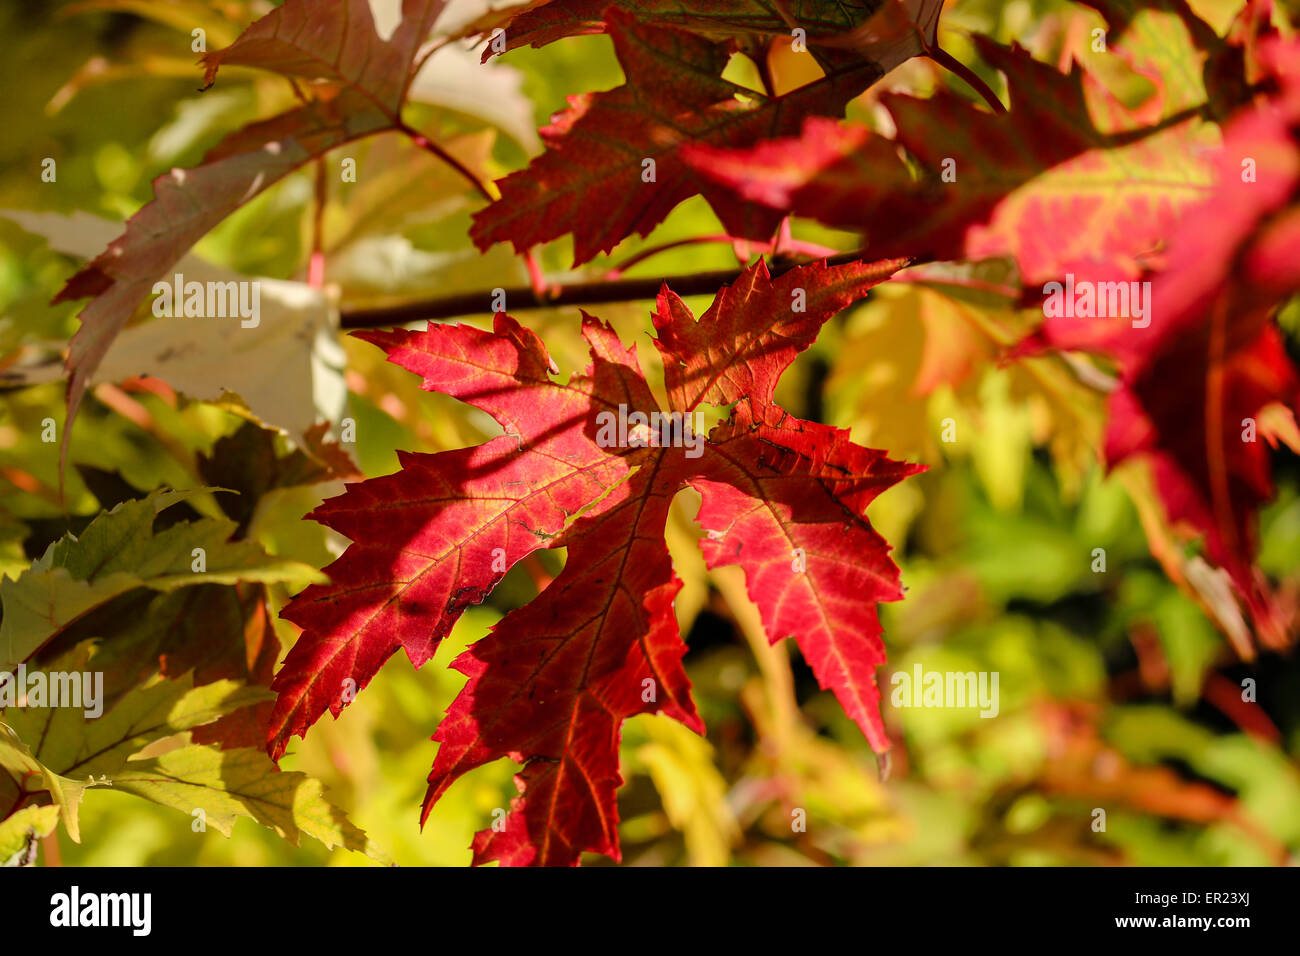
{"x":247,"y":465}
{"x":71,"y":752}
{"x":613,"y":164}
{"x":215,"y":630}
{"x":1040,"y":182}
{"x":1164,"y":41}
{"x":1183,"y":58}
{"x":64,"y":747}
{"x":750,"y":24}
{"x":1195,"y":382}
{"x":244,"y":783}
{"x":286,"y":371}
{"x":550,"y":687}
{"x":118,"y":552}
{"x":329,"y":39}
{"x":19,"y":768}
{"x":336,"y":40}
{"x":22,"y":831}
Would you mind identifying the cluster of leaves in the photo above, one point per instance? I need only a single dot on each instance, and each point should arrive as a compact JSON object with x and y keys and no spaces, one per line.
{"x":171,"y":616}
{"x":1175,"y":164}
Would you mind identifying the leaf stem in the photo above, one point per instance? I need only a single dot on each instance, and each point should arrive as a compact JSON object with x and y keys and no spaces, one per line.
{"x":422,"y":141}
{"x":316,"y":262}
{"x":790,"y":246}
{"x":956,"y":66}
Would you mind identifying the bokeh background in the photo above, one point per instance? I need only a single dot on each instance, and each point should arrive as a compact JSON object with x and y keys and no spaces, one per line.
{"x":1117,"y":691}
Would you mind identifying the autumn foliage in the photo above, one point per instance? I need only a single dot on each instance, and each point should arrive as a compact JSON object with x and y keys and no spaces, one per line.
{"x":996,"y":176}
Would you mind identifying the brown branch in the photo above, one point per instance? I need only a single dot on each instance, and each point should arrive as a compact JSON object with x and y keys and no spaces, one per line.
{"x":519,"y":298}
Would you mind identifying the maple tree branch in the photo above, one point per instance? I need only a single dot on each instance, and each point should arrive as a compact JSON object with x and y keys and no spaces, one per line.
{"x":519,"y":298}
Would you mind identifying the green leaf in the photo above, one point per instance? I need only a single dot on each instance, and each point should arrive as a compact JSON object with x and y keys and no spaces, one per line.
{"x":70,"y":745}
{"x":17,"y":760}
{"x":20,"y":831}
{"x":1165,"y":41}
{"x":118,"y":552}
{"x":75,"y":745}
{"x":227,"y":784}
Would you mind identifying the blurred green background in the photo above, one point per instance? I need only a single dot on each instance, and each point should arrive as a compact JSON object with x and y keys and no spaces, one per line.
{"x":1117,"y":691}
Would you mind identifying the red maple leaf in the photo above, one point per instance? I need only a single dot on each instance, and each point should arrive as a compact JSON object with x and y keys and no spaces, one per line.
{"x":968,"y":187}
{"x":552,"y":684}
{"x":900,"y":28}
{"x":332,"y":40}
{"x":613,"y":164}
{"x":1194,"y":382}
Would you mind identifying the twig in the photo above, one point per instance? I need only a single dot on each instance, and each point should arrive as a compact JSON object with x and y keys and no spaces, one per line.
{"x":422,"y":141}
{"x":316,"y":262}
{"x":523,"y":297}
{"x":956,"y":66}
{"x":790,"y":247}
